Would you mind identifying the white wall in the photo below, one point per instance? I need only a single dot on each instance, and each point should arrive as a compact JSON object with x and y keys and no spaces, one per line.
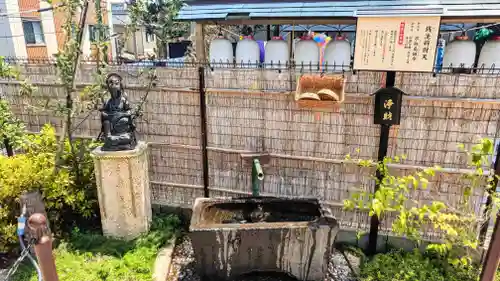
{"x":11,"y":31}
{"x":142,"y":46}
{"x":147,"y":47}
{"x":86,"y":42}
{"x":111,"y":30}
{"x":49,"y":29}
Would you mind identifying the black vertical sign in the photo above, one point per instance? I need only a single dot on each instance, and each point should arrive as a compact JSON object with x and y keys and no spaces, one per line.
{"x":388,"y":106}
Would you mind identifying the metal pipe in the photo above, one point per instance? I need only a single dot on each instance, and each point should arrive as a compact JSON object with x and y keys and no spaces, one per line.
{"x":32,"y":260}
{"x":43,"y":248}
{"x":21,"y":224}
{"x":257,"y":177}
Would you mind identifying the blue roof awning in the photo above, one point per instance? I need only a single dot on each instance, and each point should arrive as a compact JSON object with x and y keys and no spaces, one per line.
{"x":200,"y":10}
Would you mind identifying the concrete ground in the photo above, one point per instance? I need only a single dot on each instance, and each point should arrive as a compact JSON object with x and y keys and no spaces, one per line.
{"x":163,"y":261}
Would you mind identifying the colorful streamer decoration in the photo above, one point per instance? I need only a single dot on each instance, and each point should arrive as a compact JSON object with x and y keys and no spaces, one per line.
{"x":483,"y":34}
{"x":322,"y":40}
{"x":262,"y":48}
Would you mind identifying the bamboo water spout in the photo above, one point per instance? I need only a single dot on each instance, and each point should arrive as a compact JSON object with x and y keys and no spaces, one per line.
{"x":257,"y":177}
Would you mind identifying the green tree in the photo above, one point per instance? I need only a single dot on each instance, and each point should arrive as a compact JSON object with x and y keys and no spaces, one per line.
{"x":455,"y":222}
{"x":158,"y":17}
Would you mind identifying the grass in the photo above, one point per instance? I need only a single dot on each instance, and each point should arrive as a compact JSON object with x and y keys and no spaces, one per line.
{"x":93,"y":257}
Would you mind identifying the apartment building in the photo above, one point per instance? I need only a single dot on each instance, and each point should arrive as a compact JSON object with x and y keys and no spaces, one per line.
{"x":29,"y":34}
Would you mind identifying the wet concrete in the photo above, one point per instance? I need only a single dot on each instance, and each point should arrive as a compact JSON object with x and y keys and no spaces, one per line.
{"x":232,"y":237}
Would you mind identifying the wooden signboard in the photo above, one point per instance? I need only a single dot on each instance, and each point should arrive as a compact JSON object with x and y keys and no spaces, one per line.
{"x":396,"y":43}
{"x":388,"y":103}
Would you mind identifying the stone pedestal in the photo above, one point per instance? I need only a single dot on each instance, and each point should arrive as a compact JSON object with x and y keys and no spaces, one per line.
{"x":123,"y":191}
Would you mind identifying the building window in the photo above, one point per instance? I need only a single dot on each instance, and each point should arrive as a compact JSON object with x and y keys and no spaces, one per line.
{"x":150,"y":37}
{"x":33,"y":33}
{"x":118,"y":9}
{"x":93,"y":33}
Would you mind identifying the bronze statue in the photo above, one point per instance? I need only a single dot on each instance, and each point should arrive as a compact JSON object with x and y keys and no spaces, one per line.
{"x":118,"y":129}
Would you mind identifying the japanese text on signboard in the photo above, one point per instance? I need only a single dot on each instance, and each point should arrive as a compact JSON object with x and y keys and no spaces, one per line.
{"x":388,"y":106}
{"x":396,"y":44}
{"x":388,"y":103}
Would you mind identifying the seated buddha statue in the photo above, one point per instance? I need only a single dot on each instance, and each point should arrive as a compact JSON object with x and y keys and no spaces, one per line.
{"x":118,"y":129}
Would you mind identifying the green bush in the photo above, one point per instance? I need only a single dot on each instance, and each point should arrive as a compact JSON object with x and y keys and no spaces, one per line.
{"x":92,"y":257}
{"x":69,"y":192}
{"x":414,"y":266}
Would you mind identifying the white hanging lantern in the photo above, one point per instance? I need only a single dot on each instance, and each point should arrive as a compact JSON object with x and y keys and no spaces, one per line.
{"x":306,"y":53}
{"x":277,"y":53}
{"x":247,"y":52}
{"x":490,"y":54}
{"x":338,"y":54}
{"x":221,"y":51}
{"x":459,"y":54}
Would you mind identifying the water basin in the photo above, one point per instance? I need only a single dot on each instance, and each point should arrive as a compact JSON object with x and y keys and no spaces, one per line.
{"x":236,"y":236}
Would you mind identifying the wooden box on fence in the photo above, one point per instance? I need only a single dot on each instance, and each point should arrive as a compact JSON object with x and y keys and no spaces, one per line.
{"x":388,"y":103}
{"x":320,"y":91}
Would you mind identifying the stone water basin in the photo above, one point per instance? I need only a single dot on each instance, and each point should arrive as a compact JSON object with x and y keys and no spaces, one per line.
{"x":237,"y":236}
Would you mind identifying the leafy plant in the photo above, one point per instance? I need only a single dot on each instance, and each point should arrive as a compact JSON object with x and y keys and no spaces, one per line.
{"x":456,"y":222}
{"x":414,"y":266}
{"x":77,"y":103}
{"x":67,"y":201}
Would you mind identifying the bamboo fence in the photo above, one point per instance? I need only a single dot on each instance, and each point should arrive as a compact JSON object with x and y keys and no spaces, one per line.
{"x":254,"y":111}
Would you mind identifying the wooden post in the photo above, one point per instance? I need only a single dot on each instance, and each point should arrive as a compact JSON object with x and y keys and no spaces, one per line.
{"x":43,"y":247}
{"x":489,"y":199}
{"x":8,"y":147}
{"x":200,"y":42}
{"x":203,"y":125}
{"x":385,"y":130}
{"x":493,"y":255}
